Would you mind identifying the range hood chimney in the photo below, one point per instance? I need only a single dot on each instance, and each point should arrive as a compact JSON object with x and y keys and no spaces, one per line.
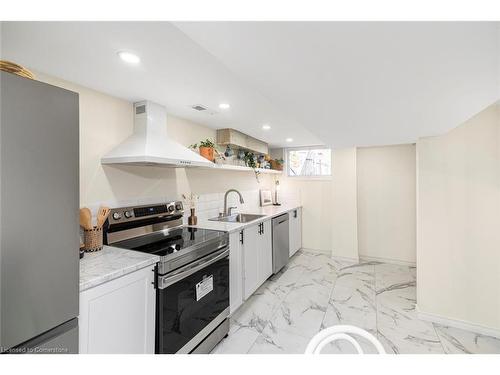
{"x":150,"y":145}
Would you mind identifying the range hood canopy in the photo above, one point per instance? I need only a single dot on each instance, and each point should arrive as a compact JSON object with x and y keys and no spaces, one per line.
{"x":150,"y":145}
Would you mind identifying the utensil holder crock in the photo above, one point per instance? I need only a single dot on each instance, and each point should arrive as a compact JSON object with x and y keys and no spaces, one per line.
{"x":92,"y":238}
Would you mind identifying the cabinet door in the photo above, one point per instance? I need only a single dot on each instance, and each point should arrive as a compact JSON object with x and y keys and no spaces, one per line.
{"x":235,"y":271}
{"x":265,"y":251}
{"x":299,"y":228}
{"x":295,"y":230}
{"x":251,"y":262}
{"x":118,"y":317}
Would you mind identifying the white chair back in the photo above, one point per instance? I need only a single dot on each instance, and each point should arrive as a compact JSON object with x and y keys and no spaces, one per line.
{"x":342,"y":332}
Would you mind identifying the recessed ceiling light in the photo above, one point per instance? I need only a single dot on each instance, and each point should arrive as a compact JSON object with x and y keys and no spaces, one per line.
{"x":289,"y":140}
{"x":129,"y":57}
{"x":224,"y":106}
{"x":266,"y":126}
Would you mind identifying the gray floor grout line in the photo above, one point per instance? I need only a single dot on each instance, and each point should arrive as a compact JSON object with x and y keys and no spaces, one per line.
{"x":301,"y":277}
{"x":253,"y":343}
{"x":329,"y":299}
{"x":438,"y":337}
{"x":376,"y":303}
{"x":274,"y":312}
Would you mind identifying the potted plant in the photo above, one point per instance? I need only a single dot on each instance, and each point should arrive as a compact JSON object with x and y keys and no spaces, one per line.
{"x":277,"y":164}
{"x":207,"y":148}
{"x":251,"y":161}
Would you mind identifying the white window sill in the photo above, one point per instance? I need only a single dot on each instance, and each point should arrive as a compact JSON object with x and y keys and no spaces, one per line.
{"x":310,"y":178}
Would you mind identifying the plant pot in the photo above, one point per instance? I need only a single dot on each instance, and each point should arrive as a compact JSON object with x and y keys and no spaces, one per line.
{"x":207,"y":153}
{"x":276,"y":166}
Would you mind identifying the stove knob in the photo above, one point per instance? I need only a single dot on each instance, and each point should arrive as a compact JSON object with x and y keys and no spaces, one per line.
{"x":128,"y":214}
{"x":178,"y":206}
{"x":117,"y":216}
{"x":171,"y":208}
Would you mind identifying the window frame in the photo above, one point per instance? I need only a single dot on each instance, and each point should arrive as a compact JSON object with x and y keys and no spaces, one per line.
{"x":313,"y":177}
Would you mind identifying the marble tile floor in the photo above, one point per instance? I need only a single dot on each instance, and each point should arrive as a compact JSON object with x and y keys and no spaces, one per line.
{"x":315,"y":291}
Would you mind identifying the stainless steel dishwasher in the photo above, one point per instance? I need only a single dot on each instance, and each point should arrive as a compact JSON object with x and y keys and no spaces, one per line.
{"x":281,"y":242}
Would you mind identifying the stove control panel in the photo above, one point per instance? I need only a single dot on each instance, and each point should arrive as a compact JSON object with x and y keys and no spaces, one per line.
{"x":125,"y":214}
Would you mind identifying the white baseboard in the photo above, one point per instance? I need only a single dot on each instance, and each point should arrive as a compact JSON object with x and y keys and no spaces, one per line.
{"x":457,"y":323}
{"x":347,"y":259}
{"x":369,"y":259}
{"x":316,"y":250}
{"x":387,"y":260}
{"x":330,"y":253}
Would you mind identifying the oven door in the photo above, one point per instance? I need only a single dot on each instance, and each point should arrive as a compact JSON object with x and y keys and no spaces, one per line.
{"x":191,"y":302}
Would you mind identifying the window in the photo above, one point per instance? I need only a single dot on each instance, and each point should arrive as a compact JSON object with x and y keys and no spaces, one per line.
{"x":309,"y":162}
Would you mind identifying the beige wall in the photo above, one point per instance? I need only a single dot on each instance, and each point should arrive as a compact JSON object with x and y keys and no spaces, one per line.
{"x":458,"y":221}
{"x":329,"y":206}
{"x":316,"y":212}
{"x":343,"y":213}
{"x":104,"y":122}
{"x":387,"y":202}
{"x":315,"y":196}
{"x":357,"y":212}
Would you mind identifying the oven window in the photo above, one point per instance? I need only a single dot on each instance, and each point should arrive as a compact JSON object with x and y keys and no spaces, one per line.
{"x":184,"y":310}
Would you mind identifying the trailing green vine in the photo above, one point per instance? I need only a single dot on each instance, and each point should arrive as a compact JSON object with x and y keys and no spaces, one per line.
{"x":249,"y":159}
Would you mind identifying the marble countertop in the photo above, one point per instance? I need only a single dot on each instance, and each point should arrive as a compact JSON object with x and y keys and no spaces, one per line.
{"x":110,"y":263}
{"x":268,"y":212}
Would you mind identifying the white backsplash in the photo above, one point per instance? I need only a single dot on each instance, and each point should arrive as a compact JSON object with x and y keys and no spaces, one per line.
{"x":208,"y":205}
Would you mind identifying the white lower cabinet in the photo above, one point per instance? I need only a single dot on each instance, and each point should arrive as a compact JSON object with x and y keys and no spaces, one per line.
{"x":119,"y":316}
{"x":251,"y":262}
{"x":266,"y":251}
{"x":235,"y":271}
{"x":251,"y":257}
{"x":295,"y":223}
{"x":257,"y":256}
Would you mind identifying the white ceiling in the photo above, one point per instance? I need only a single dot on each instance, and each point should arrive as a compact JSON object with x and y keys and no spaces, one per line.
{"x":363,"y":83}
{"x":337,"y":83}
{"x":174,"y":71}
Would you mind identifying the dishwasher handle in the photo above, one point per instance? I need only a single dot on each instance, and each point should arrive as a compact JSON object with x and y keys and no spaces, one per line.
{"x":280,"y":220}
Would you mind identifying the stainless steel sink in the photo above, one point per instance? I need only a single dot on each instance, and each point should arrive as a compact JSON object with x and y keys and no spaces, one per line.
{"x":238,"y":218}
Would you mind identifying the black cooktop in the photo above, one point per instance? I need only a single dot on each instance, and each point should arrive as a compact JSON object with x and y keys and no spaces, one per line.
{"x":168,"y":242}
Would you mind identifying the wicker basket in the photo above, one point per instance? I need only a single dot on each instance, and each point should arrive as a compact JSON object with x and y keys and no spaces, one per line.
{"x":8,"y":66}
{"x":92,"y":239}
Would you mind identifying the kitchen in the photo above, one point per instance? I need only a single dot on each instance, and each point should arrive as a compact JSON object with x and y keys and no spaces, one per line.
{"x":116,"y":274}
{"x":203,"y":234}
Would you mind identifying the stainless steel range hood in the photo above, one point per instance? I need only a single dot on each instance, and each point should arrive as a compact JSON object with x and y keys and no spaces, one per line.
{"x":150,"y":145}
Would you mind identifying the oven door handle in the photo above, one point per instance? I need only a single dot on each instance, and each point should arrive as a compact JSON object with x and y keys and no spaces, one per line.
{"x":172,"y":278}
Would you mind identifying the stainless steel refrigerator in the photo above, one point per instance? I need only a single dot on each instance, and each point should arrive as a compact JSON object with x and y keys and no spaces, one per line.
{"x":39,"y":199}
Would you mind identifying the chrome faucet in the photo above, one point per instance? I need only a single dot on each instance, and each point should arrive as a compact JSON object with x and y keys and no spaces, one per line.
{"x":227,"y":211}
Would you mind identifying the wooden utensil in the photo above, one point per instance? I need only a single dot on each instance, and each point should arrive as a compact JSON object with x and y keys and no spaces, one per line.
{"x":86,"y":218}
{"x":102,"y":215}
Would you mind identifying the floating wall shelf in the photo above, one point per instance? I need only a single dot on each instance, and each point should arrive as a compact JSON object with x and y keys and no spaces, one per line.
{"x":237,"y":168}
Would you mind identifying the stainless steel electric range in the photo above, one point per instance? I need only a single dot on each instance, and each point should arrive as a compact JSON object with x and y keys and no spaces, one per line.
{"x":192,"y":278}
